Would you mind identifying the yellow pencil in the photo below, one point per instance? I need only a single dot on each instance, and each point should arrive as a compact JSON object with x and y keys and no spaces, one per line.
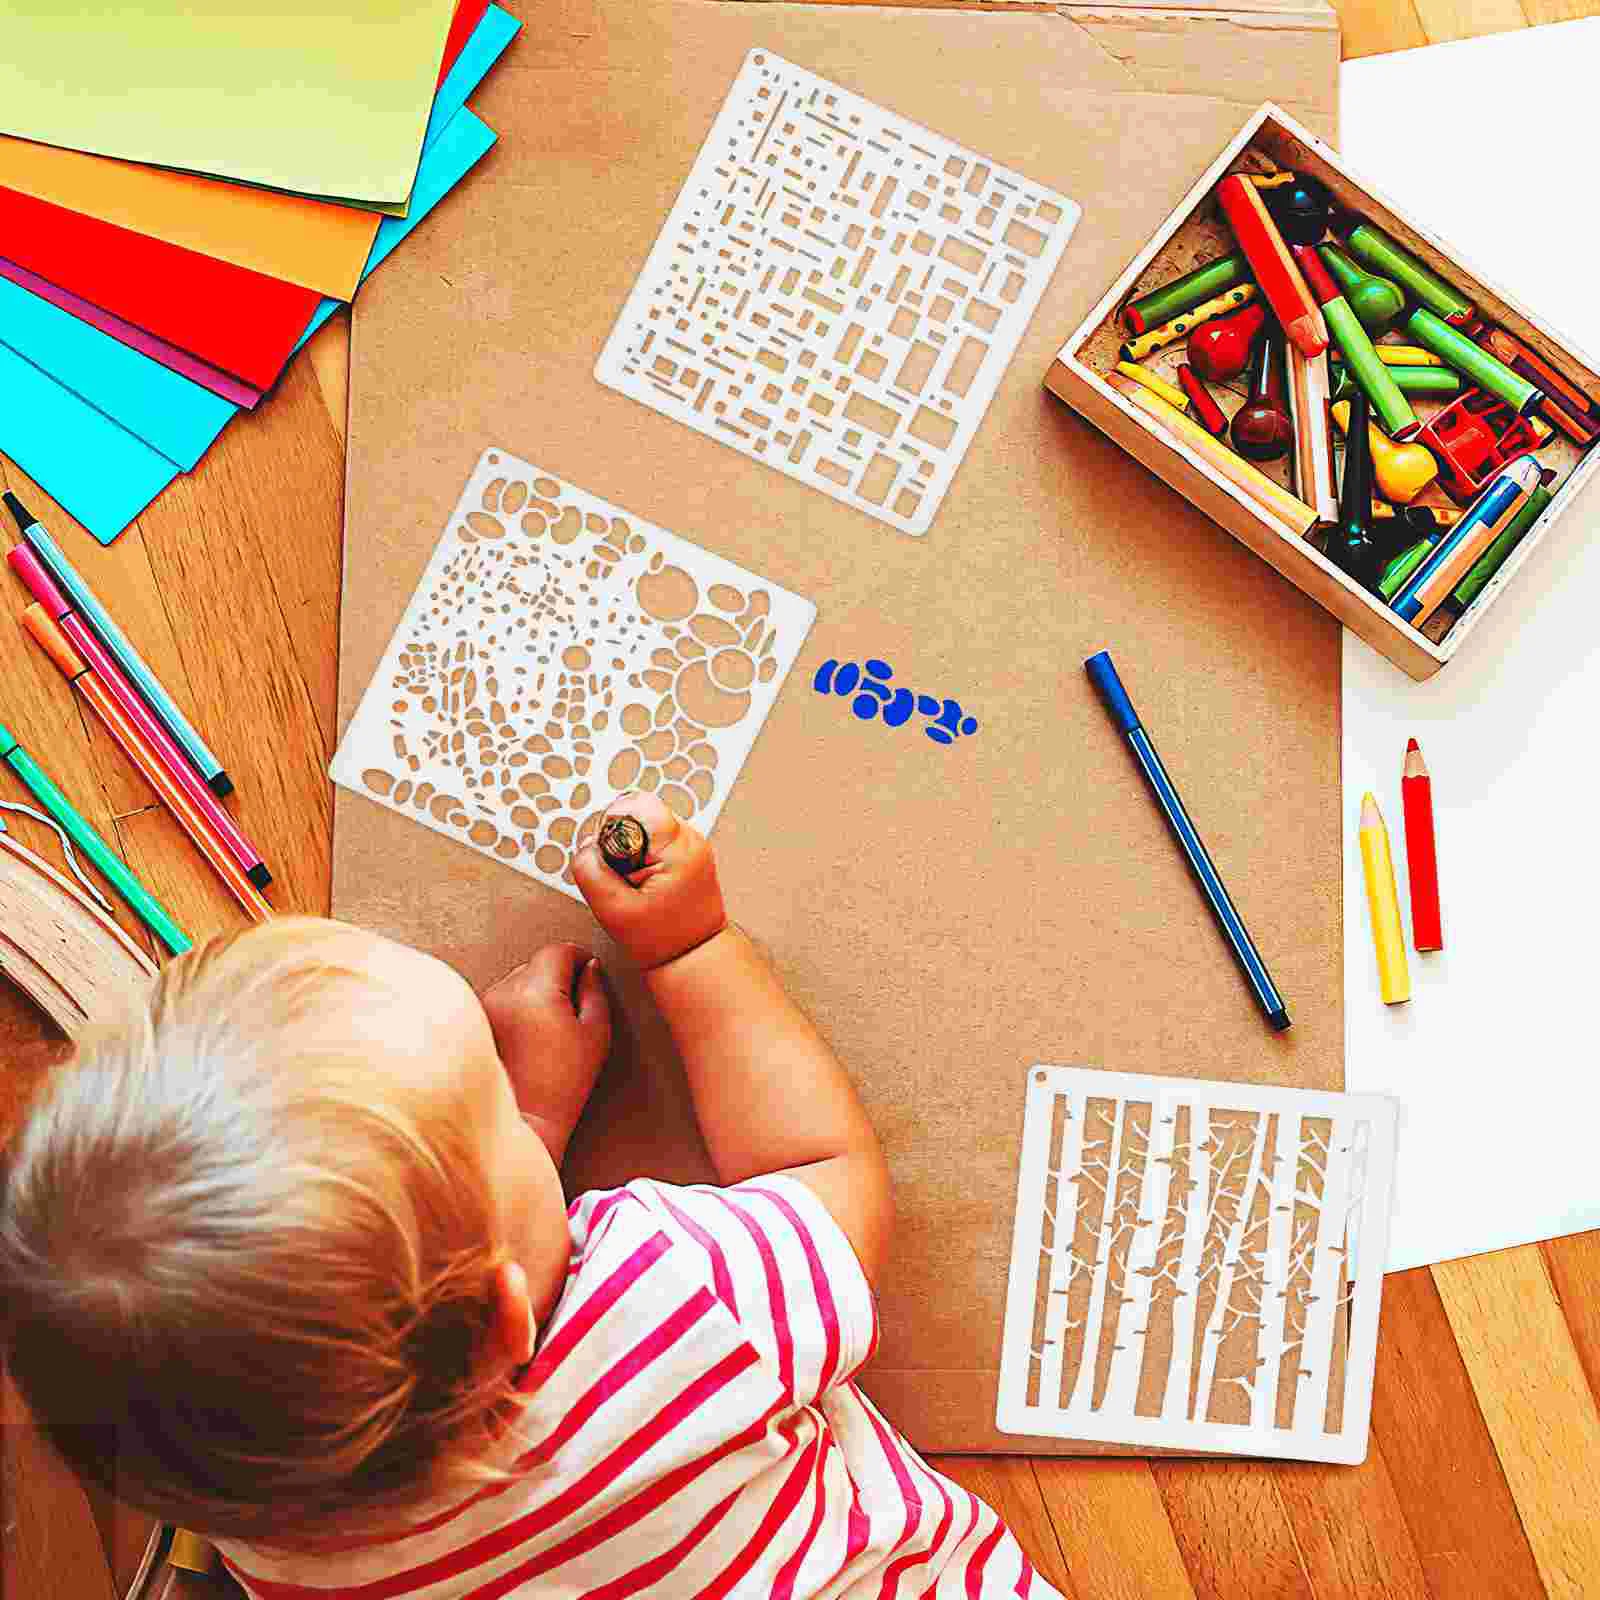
{"x":1383,"y":905}
{"x":1174,"y":397}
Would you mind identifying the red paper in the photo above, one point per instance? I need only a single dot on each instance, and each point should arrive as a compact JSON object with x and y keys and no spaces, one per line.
{"x":469,"y":13}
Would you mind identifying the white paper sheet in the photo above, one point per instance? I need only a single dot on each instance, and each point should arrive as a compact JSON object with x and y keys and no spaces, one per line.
{"x":1196,"y":1265}
{"x":837,"y":292}
{"x":1491,"y":143}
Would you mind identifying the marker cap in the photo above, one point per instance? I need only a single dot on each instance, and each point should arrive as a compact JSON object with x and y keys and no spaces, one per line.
{"x":1103,"y":675}
{"x":41,"y":585}
{"x":55,"y":644}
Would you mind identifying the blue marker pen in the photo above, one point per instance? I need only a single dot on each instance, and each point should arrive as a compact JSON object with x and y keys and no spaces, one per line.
{"x":1103,"y":675}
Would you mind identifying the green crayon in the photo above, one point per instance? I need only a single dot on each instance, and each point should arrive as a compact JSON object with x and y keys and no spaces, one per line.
{"x":1472,"y":360}
{"x":1438,"y":381}
{"x":149,"y":910}
{"x":1390,"y":406}
{"x":1377,"y":301}
{"x":1492,"y":559}
{"x":1185,"y":293}
{"x":1374,"y":249}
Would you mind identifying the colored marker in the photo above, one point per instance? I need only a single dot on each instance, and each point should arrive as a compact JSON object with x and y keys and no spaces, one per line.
{"x":1374,"y":249}
{"x":1183,"y":294}
{"x":55,"y":644}
{"x":1485,"y":370}
{"x":141,"y":902}
{"x":1103,"y":675}
{"x":1422,"y":860}
{"x":1450,"y":560}
{"x":1492,"y":559}
{"x":1383,"y":906}
{"x":1361,"y":358}
{"x":1272,"y":265}
{"x":27,"y":566}
{"x":111,"y":636}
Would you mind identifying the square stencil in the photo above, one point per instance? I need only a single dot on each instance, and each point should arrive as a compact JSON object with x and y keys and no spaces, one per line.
{"x":1197,"y":1265}
{"x":557,"y":651}
{"x":837,"y":292}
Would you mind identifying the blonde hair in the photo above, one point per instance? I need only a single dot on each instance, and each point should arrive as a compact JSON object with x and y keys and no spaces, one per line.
{"x":229,"y":1232}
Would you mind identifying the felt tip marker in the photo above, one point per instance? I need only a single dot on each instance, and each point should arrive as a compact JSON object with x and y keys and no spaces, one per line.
{"x":27,"y":566}
{"x":1103,"y":675}
{"x":126,"y":657}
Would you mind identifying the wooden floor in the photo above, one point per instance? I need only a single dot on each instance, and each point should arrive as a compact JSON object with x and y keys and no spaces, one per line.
{"x":1484,"y":1477}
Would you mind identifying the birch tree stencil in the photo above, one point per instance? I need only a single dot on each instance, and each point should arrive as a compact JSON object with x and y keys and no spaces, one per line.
{"x":1196,"y":1264}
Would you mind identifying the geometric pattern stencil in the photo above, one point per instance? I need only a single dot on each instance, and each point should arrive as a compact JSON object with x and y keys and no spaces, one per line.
{"x":837,"y":292}
{"x":557,"y":652}
{"x":1197,"y":1265}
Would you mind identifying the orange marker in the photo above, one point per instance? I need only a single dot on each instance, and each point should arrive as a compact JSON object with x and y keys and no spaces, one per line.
{"x":1274,"y":268}
{"x":55,"y":644}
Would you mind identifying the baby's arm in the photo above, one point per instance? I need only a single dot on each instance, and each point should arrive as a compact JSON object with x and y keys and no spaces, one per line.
{"x":769,"y":1093}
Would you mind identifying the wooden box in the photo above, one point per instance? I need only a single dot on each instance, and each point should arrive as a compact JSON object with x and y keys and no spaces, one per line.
{"x":1195,"y":232}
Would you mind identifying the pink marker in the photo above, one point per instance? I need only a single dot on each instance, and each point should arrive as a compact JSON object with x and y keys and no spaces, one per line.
{"x":41,"y":585}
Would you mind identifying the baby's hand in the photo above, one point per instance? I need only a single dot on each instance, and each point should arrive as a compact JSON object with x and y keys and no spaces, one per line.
{"x":552,"y":1027}
{"x":672,"y":903}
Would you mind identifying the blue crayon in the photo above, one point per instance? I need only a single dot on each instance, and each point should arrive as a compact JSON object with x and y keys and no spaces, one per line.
{"x":1103,"y":675}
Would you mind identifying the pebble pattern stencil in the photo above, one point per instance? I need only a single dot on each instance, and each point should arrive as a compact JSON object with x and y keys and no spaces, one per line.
{"x":837,"y":292}
{"x":556,"y":652}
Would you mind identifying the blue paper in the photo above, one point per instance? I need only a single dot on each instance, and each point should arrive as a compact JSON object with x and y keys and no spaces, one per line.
{"x":488,"y":42}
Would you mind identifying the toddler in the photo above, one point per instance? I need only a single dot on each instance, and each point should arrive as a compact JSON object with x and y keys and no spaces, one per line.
{"x":298,"y":1229}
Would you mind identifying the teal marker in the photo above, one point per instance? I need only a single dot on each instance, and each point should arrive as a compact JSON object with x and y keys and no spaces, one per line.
{"x":145,"y":906}
{"x":126,"y":657}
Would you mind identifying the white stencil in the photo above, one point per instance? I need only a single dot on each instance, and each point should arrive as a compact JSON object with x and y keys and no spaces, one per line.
{"x":557,"y":651}
{"x":837,"y":292}
{"x":1197,"y":1265}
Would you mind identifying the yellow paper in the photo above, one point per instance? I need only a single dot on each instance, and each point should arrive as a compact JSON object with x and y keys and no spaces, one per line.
{"x":313,"y":243}
{"x":328,"y":101}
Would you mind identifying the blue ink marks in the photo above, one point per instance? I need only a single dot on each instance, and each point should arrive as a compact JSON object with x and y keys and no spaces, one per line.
{"x":873,"y":697}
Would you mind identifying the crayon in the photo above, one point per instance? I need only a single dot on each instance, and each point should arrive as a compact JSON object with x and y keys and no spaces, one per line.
{"x":141,"y":902}
{"x":1406,"y":355}
{"x":1174,"y":397}
{"x":1453,"y":557}
{"x":1565,"y":405}
{"x":111,"y":636}
{"x":1181,"y":326}
{"x":1103,"y":675}
{"x":1206,"y":410}
{"x":1272,"y":265}
{"x":1422,"y":860}
{"x":1393,"y":409}
{"x":1185,"y":293}
{"x":1439,"y":381}
{"x":1313,"y":457}
{"x":1270,"y":496}
{"x":1485,"y":370}
{"x":624,"y":844}
{"x":1374,"y":249}
{"x":1407,"y":562}
{"x":1492,"y":559}
{"x":27,"y":565}
{"x":55,"y":644}
{"x":1383,"y":906}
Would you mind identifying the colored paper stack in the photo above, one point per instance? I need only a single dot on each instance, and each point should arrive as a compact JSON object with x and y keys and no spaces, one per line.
{"x":181,"y":220}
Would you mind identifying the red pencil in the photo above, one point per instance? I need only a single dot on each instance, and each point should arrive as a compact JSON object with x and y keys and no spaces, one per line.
{"x":1274,"y":268}
{"x":1422,"y":861}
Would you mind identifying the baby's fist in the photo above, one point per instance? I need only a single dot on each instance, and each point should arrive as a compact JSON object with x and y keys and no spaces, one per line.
{"x":672,"y":903}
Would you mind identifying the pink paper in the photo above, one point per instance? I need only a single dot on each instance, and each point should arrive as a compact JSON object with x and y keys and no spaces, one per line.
{"x":176,"y":360}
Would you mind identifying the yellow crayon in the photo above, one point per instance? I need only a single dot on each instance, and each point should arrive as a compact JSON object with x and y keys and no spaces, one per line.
{"x":1183,"y":325}
{"x":1383,"y":905}
{"x":1174,"y":397}
{"x":1407,"y":355}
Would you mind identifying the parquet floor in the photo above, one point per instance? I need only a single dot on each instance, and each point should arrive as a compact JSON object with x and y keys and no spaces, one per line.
{"x":1484,"y":1479}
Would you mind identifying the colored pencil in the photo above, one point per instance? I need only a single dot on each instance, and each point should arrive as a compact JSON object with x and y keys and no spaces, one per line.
{"x":1272,"y":265}
{"x":129,"y":659}
{"x":1383,"y":906}
{"x":1355,"y":344}
{"x":141,"y":902}
{"x":1271,"y":496}
{"x":75,"y":669}
{"x":1103,"y":675}
{"x":1313,"y":439}
{"x":1422,"y":859}
{"x":1175,"y":398}
{"x":27,"y":566}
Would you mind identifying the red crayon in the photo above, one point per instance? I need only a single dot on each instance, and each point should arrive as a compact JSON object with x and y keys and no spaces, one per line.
{"x":1422,"y":861}
{"x":1206,"y":410}
{"x":1273,"y":267}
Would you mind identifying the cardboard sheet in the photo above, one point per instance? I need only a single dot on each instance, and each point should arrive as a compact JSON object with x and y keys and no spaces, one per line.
{"x":955,"y":893}
{"x":330,"y":102}
{"x":112,"y":388}
{"x":307,"y":242}
{"x":1493,"y":1044}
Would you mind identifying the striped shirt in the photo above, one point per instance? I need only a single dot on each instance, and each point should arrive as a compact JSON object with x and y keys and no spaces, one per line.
{"x":693,"y":1433}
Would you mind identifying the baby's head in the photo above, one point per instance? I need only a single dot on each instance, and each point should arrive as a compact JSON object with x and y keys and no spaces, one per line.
{"x":279,"y":1228}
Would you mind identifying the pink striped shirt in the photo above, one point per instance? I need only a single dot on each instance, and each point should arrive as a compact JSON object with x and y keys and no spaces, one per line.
{"x":694,"y":1433}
